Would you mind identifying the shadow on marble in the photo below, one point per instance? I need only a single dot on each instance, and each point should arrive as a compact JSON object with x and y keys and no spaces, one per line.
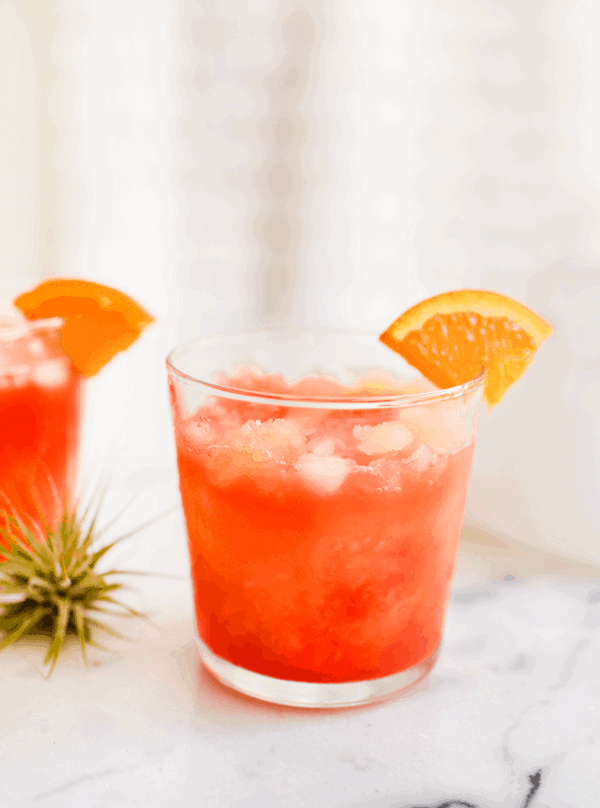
{"x":486,"y":557}
{"x":210,"y":697}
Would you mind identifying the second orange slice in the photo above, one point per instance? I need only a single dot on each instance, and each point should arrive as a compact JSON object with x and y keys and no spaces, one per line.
{"x":99,"y":321}
{"x":450,"y":338}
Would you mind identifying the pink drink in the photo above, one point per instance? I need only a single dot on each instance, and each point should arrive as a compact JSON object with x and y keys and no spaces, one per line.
{"x":40,"y":413}
{"x":322,"y":540}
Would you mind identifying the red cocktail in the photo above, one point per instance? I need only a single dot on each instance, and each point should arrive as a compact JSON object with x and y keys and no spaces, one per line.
{"x":323,"y":505}
{"x":40,"y":414}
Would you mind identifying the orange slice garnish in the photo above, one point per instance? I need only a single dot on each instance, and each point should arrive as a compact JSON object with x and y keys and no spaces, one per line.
{"x":451,"y":337}
{"x":99,"y":321}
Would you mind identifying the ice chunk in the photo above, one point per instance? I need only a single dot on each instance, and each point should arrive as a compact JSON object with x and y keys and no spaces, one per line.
{"x":229,"y":464}
{"x":36,"y":346}
{"x":282,"y":439}
{"x":391,"y":436}
{"x":199,"y":433}
{"x":322,"y":447}
{"x":326,"y":473}
{"x":387,"y":473}
{"x":52,"y":373}
{"x":393,"y":473}
{"x":421,"y":459}
{"x":219,"y":411}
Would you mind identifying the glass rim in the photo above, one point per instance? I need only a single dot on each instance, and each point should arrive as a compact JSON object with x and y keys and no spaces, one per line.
{"x":14,"y":329}
{"x":331,"y":402}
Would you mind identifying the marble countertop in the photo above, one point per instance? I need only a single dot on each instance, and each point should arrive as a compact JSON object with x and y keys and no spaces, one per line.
{"x":510,"y":716}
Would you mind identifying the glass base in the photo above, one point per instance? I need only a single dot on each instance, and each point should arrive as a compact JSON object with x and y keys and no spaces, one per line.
{"x":311,"y":694}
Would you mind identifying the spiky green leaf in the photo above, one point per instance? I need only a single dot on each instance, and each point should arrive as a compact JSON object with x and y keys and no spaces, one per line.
{"x":53,"y":585}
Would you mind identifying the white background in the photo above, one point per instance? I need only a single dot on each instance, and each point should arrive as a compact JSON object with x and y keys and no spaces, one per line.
{"x":242,"y":162}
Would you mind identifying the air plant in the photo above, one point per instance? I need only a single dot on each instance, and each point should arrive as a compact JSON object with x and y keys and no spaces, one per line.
{"x":50,"y":584}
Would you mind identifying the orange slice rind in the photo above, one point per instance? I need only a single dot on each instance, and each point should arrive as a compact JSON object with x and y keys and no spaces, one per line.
{"x":450,"y":338}
{"x":99,"y":321}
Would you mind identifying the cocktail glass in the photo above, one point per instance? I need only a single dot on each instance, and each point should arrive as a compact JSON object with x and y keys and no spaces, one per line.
{"x":323,"y":501}
{"x":40,"y":419}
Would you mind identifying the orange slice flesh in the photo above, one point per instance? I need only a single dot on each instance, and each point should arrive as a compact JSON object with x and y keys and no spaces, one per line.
{"x":451,"y":337}
{"x":99,"y":321}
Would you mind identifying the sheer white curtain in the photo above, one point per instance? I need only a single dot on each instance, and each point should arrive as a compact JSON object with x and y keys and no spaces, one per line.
{"x":244,"y":162}
{"x":86,"y":167}
{"x":344,"y":159}
{"x":20,"y":155}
